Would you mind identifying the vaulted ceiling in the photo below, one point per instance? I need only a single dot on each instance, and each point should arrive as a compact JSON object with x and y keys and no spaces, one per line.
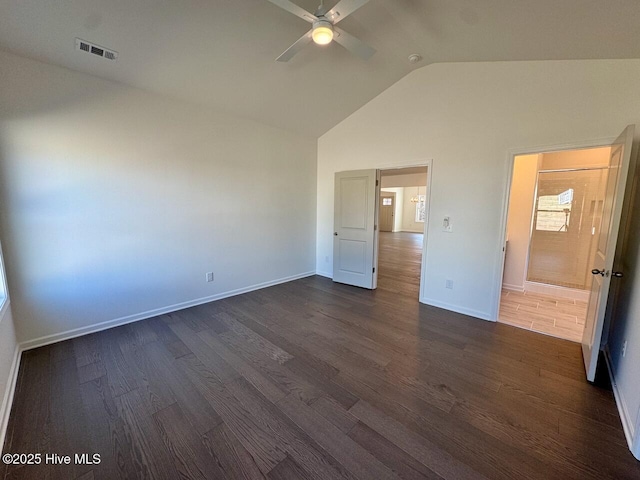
{"x":221,"y":52}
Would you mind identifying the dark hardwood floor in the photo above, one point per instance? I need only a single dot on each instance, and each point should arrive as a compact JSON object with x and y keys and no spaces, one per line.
{"x":399,"y":263}
{"x":316,"y":380}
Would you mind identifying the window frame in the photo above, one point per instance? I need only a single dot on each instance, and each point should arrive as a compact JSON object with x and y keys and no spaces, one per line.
{"x":560,"y":211}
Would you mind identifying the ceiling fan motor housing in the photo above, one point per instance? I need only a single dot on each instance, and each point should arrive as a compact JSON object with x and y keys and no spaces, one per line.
{"x":322,"y":32}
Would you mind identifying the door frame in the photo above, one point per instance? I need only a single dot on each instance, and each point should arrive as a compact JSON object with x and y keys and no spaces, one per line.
{"x":423,"y":263}
{"x":506,"y":197}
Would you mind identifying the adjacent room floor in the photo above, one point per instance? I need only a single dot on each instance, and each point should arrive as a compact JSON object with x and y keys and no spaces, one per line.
{"x":316,"y":380}
{"x":399,"y":262}
{"x":557,"y":316}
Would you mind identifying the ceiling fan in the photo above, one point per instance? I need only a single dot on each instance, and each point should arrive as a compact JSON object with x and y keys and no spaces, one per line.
{"x":324,"y":29}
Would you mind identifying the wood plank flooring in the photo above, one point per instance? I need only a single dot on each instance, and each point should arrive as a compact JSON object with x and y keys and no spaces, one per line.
{"x":316,"y":380}
{"x":399,"y":263}
{"x":557,"y":316}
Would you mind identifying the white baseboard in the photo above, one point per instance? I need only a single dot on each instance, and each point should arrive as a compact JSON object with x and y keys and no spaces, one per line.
{"x":514,"y":288}
{"x":324,"y":274}
{"x":7,"y":399}
{"x":627,"y":424}
{"x":457,"y":309}
{"x":97,"y":327}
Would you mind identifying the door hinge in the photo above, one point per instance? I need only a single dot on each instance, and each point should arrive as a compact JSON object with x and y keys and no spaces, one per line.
{"x":375,"y":227}
{"x":374,"y":269}
{"x":376,"y":183}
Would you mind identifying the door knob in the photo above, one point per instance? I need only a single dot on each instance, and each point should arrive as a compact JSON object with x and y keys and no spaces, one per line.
{"x":335,"y":234}
{"x":595,"y":271}
{"x":617,"y":274}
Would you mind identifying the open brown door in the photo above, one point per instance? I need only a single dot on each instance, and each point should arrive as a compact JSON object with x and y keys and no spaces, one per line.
{"x":386,"y":209}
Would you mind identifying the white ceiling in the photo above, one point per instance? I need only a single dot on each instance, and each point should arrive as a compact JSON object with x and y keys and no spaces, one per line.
{"x":221,"y":52}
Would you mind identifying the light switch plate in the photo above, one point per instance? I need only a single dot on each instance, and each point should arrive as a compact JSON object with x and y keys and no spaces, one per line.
{"x":447,"y":225}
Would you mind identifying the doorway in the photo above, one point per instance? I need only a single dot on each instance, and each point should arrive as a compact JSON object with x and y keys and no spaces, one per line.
{"x":402,"y":216}
{"x":554,"y":221}
{"x":357,"y":247}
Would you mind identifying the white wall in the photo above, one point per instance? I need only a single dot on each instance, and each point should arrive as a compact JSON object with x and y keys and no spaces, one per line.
{"x":408,"y":180}
{"x":521,"y":197}
{"x":583,"y":158}
{"x":467,"y":117}
{"x":404,"y":219}
{"x":114,"y":202}
{"x":407,"y":184}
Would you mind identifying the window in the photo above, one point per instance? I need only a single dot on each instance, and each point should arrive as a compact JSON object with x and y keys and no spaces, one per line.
{"x":553,"y":212}
{"x":387,"y":201}
{"x":420,"y":209}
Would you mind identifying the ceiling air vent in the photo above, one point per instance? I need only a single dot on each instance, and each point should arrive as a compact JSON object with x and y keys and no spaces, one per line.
{"x":94,"y":49}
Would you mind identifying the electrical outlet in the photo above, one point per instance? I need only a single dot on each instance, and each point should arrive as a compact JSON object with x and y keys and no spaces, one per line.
{"x":624,"y":349}
{"x":209,"y":276}
{"x":448,"y":284}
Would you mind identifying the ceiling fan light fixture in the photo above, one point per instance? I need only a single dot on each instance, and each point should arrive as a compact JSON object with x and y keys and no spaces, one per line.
{"x":322,"y":32}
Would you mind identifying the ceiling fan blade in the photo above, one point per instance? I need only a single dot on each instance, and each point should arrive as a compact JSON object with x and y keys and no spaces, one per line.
{"x":343,"y":9}
{"x":295,"y":9}
{"x":351,"y":43}
{"x":295,"y":48}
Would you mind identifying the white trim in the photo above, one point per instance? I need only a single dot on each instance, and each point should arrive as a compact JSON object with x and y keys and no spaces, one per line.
{"x":425,"y":231}
{"x":4,"y":300}
{"x":324,"y":274}
{"x":4,"y":290}
{"x":455,"y":308}
{"x":7,"y":399}
{"x":506,"y":194}
{"x":7,"y":402}
{"x":4,"y":307}
{"x":635,"y":448}
{"x":515,"y":288}
{"x":77,"y":332}
{"x":625,"y":418}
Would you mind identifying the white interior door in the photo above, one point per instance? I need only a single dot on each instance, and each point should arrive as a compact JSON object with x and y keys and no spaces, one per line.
{"x":354,"y":228}
{"x":605,"y":251}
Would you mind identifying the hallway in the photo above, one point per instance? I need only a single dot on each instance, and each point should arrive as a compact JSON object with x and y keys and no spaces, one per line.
{"x":399,"y":263}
